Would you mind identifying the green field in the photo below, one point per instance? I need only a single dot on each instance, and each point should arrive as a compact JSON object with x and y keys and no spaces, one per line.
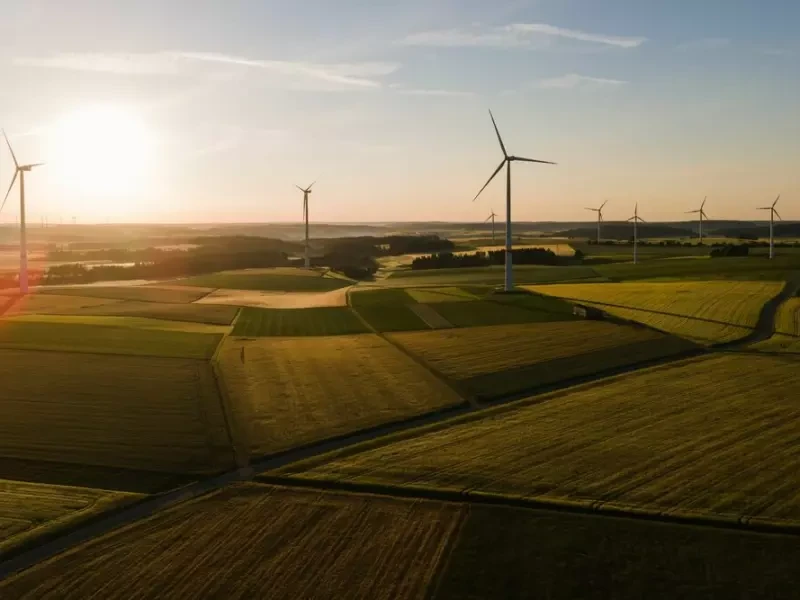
{"x":139,"y":323}
{"x":287,"y":280}
{"x":387,"y":309}
{"x":37,"y":303}
{"x":30,"y":510}
{"x":499,"y":360}
{"x":787,"y":329}
{"x":329,"y":320}
{"x":144,"y":293}
{"x":107,"y":339}
{"x":744,"y":269}
{"x":391,"y":550}
{"x":705,"y":312}
{"x":150,"y":414}
{"x":487,"y":275}
{"x":477,"y":313}
{"x":715,"y":436}
{"x":289,"y":392}
{"x":212,"y":314}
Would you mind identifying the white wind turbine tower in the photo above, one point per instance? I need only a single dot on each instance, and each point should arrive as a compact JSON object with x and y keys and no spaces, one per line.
{"x":491,"y":216}
{"x":599,"y":212}
{"x":636,"y":219}
{"x":702,"y":214}
{"x":306,"y":192}
{"x":20,"y":170}
{"x":507,"y":160}
{"x":772,"y":214}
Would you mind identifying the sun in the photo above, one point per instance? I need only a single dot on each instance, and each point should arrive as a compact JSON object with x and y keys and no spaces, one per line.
{"x":102,"y":152}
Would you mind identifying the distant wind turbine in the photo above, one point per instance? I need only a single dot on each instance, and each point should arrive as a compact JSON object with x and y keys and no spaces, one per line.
{"x":306,"y":192}
{"x":702,"y":214}
{"x":491,"y":216}
{"x":773,"y":212}
{"x":507,"y":160}
{"x":20,"y":170}
{"x":599,"y":212}
{"x":636,"y":219}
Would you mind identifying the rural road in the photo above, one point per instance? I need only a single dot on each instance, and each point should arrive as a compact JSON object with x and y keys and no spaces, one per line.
{"x":151,"y":505}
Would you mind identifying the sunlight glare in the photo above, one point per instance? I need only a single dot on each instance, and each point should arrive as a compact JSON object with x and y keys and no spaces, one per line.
{"x":102,"y":152}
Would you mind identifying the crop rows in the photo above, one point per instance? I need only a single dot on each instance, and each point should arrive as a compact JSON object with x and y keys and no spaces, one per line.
{"x":329,"y":320}
{"x":287,"y":392}
{"x":711,"y":436}
{"x":705,"y":312}
{"x":268,"y":281}
{"x":144,"y":293}
{"x":493,"y":361}
{"x":150,"y":414}
{"x":253,"y":541}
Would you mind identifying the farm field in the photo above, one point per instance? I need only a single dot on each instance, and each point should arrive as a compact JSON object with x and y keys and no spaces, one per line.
{"x":578,"y":556}
{"x":498,"y":360}
{"x":787,"y":329}
{"x":144,"y":293}
{"x":289,"y":392}
{"x":107,"y":339}
{"x":636,"y":442}
{"x":387,"y":309}
{"x":487,"y":275}
{"x":705,"y":312}
{"x":30,"y":510}
{"x":192,"y":313}
{"x":286,"y":280}
{"x":53,"y":304}
{"x":704,"y":269}
{"x":133,"y":322}
{"x":392,"y":550}
{"x":282,"y":300}
{"x":260,"y":322}
{"x":104,"y":412}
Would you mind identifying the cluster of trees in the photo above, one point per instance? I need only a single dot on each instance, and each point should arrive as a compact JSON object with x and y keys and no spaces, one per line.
{"x":720,"y":250}
{"x":629,"y":242}
{"x":523,"y":256}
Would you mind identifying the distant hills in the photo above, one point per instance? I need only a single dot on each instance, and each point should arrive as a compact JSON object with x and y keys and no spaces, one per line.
{"x":624,"y":231}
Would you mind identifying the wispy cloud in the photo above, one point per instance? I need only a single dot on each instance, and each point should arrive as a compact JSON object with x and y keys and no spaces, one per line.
{"x":574,"y":80}
{"x":401,"y":89}
{"x":712,"y":43}
{"x":335,"y":76}
{"x":515,"y":35}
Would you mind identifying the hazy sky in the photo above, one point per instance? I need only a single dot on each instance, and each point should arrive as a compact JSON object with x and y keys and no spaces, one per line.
{"x":206,"y":110}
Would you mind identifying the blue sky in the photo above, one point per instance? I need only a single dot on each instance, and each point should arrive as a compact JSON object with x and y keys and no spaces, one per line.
{"x":218,"y":109}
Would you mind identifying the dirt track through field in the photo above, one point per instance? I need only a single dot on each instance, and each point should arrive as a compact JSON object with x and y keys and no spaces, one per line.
{"x":283,"y":300}
{"x":109,"y":522}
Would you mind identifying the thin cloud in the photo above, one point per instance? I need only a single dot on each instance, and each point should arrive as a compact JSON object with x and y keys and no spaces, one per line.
{"x":515,"y":35}
{"x":334,"y":76}
{"x":435,"y":92}
{"x":573,"y":80}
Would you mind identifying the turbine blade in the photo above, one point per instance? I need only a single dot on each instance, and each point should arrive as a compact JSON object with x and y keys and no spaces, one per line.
{"x":594,"y":209}
{"x":33,"y":165}
{"x":533,"y":160}
{"x":299,"y":188}
{"x":13,"y":179}
{"x":692,"y":211}
{"x":776,"y":200}
{"x":777,"y":214}
{"x":702,"y":212}
{"x":631,"y":219}
{"x":704,"y":202}
{"x":603,"y":204}
{"x":487,"y":218}
{"x":499,"y":139}
{"x":14,"y":156}
{"x":312,"y":185}
{"x":488,"y":181}
{"x":764,"y":208}
{"x":641,"y":220}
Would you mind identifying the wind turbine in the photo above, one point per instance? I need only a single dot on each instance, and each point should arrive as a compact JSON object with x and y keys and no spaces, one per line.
{"x":306,"y":192}
{"x":491,"y":216}
{"x":772,"y":214}
{"x":507,"y":160}
{"x":20,"y":171}
{"x":702,"y":214}
{"x":599,"y":212}
{"x":636,"y":219}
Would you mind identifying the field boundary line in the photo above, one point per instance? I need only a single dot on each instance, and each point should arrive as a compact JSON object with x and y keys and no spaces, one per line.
{"x":62,"y":351}
{"x":467,"y":397}
{"x":423,"y":311}
{"x":598,"y":508}
{"x":241,"y":455}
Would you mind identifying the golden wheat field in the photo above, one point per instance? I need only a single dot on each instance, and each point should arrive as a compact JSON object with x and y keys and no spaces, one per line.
{"x":254,"y":541}
{"x":709,"y":436}
{"x":705,"y":312}
{"x":30,"y":510}
{"x":289,"y":391}
{"x":152,"y":414}
{"x":500,"y":359}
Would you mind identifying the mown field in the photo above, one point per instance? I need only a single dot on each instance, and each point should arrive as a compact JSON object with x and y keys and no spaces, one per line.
{"x":232,"y":544}
{"x":404,"y":548}
{"x":287,"y":280}
{"x":714,"y":436}
{"x":499,"y":360}
{"x":150,"y":414}
{"x":143,"y":293}
{"x":30,"y":510}
{"x":329,"y":320}
{"x":706,"y":312}
{"x":84,"y":336}
{"x":289,"y":392}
